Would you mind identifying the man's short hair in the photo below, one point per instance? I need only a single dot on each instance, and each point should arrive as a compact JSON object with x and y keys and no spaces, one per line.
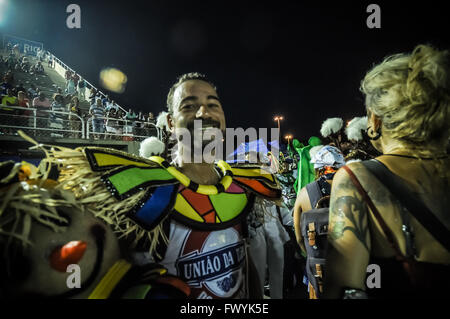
{"x":180,"y":80}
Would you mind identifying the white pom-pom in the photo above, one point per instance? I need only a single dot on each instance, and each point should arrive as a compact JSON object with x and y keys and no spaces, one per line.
{"x":151,"y":146}
{"x":161,"y":121}
{"x":331,"y":126}
{"x":355,"y":128}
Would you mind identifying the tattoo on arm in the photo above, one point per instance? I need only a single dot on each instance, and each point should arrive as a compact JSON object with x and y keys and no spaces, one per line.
{"x":355,"y":211}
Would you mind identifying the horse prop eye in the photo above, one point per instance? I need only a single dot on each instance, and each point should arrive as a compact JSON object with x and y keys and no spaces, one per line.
{"x":70,"y":253}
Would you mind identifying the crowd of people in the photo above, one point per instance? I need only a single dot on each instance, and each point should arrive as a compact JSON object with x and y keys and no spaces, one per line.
{"x":59,"y":114}
{"x":360,"y":211}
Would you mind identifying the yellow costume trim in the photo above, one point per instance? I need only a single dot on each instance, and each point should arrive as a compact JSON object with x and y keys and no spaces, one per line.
{"x":110,"y":280}
{"x":226,"y":180}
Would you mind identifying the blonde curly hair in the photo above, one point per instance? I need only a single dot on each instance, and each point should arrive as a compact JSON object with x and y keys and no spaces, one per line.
{"x":410,"y":93}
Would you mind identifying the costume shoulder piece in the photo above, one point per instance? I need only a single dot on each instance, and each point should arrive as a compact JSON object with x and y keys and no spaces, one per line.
{"x":257,"y":179}
{"x":132,"y":194}
{"x":208,"y":207}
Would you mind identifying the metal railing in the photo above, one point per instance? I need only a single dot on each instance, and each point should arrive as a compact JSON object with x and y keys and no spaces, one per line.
{"x":122,"y":129}
{"x":59,"y":124}
{"x":40,"y":122}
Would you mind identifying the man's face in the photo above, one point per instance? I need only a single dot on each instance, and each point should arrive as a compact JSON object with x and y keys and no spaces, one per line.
{"x":196,"y":100}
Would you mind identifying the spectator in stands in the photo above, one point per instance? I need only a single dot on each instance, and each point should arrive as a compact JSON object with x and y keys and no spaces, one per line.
{"x":149,"y":124}
{"x":9,"y":78}
{"x":105,"y":101}
{"x":38,"y":68}
{"x":43,"y":106}
{"x":7,"y":113}
{"x":76,"y":79}
{"x":82,"y":89}
{"x":74,"y":108}
{"x":24,"y":114}
{"x":32,"y":92}
{"x":97,"y":111}
{"x":151,"y":118}
{"x":40,"y":54}
{"x":114,"y":106}
{"x":10,"y":99}
{"x":70,"y":87}
{"x":139,"y":124}
{"x":94,"y":96}
{"x":56,"y":119}
{"x":4,"y":87}
{"x":24,"y":65}
{"x":121,"y":121}
{"x":130,"y":121}
{"x":22,"y":99}
{"x":50,"y":61}
{"x":67,"y":75}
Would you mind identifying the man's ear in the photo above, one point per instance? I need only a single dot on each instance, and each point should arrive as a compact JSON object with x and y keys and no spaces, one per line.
{"x":170,"y":122}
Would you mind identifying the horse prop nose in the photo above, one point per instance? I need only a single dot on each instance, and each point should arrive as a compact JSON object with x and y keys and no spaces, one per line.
{"x":70,"y":253}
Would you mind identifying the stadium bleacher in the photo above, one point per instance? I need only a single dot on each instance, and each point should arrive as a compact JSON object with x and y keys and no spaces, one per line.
{"x":39,"y":127}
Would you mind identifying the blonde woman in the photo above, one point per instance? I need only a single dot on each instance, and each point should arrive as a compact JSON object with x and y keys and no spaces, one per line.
{"x":408,"y":108}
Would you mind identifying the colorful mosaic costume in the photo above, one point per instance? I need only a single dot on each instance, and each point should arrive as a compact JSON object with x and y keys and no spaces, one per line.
{"x":196,"y":231}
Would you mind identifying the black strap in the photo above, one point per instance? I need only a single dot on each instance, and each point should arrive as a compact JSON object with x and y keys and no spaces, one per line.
{"x":314,"y":193}
{"x":413,"y":204}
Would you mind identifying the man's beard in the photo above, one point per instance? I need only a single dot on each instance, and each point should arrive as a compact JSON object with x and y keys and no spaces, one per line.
{"x":203,"y":137}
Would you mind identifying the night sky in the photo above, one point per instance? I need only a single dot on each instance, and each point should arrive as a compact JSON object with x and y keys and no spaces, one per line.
{"x":304,"y":60}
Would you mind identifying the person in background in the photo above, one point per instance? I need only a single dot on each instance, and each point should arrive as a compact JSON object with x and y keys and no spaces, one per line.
{"x":151,"y":118}
{"x":50,"y":61}
{"x":129,"y":118}
{"x":57,"y":119}
{"x":74,"y":117}
{"x":407,"y":103}
{"x":82,"y":89}
{"x":67,"y":75}
{"x":76,"y":79}
{"x":26,"y":116}
{"x":32,"y":92}
{"x":43,"y":106}
{"x":38,"y":68}
{"x":22,"y":99}
{"x":94,"y":96}
{"x":70,"y":87}
{"x":326,"y":160}
{"x":97,"y":111}
{"x":10,"y":99}
{"x":4,"y":87}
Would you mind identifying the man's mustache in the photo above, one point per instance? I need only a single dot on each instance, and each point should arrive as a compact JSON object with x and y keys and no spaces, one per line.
{"x":204,"y":123}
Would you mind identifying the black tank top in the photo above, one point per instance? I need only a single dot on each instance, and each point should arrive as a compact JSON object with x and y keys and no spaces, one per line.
{"x":431,"y":280}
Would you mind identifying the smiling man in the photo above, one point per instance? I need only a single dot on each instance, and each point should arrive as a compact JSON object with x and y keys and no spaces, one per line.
{"x":207,"y":246}
{"x":194,"y":110}
{"x":188,"y":216}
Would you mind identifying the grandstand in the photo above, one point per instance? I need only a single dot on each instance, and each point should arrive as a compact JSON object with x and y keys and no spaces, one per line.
{"x":48,"y":126}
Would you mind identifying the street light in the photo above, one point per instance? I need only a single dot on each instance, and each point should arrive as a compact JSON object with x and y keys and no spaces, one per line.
{"x":288,"y":137}
{"x":278,"y":118}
